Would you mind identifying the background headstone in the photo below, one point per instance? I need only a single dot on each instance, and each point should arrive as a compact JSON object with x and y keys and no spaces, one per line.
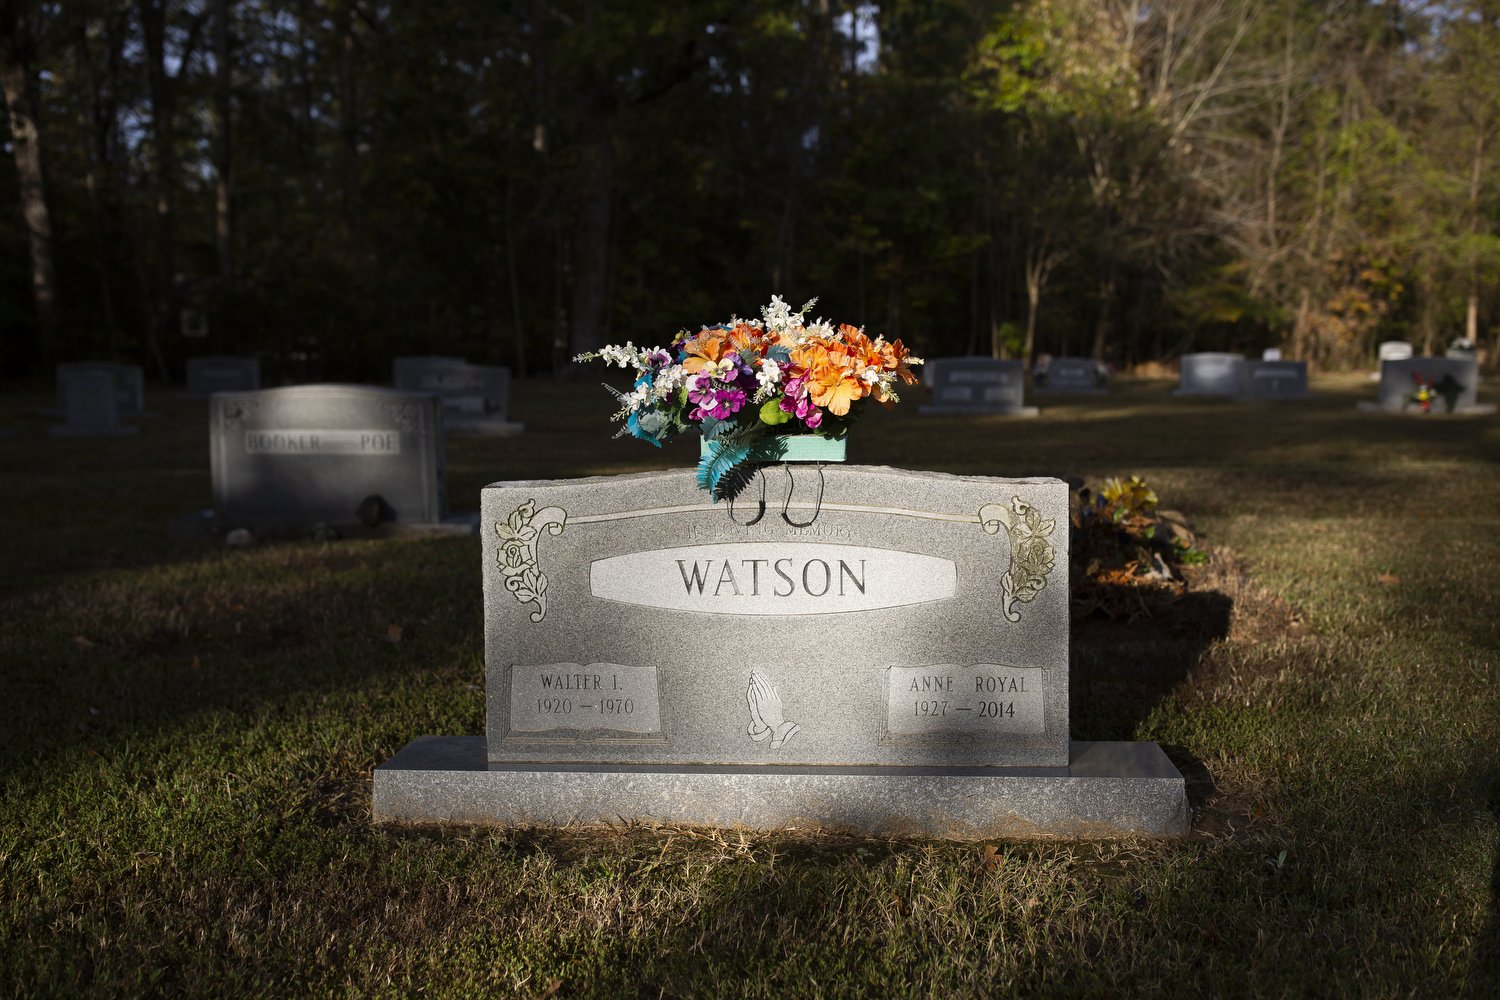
{"x":1074,"y":375}
{"x":1271,"y":354}
{"x":91,"y":404}
{"x":221,"y":373}
{"x":476,"y":397}
{"x":1212,"y":374}
{"x":891,"y":654}
{"x":1276,"y":380}
{"x":977,"y":385}
{"x":1397,"y":385}
{"x":1390,"y":350}
{"x":314,"y":453}
{"x":129,"y":384}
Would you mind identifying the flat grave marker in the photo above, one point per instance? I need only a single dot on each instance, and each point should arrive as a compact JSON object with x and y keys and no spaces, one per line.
{"x":871,"y":649}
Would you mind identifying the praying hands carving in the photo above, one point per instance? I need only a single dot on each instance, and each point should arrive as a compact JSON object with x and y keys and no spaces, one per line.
{"x":767,"y":717}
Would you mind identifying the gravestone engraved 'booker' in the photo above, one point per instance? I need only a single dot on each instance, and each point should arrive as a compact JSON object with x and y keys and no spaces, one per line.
{"x":312,"y":453}
{"x":872,"y":649}
{"x":221,"y":373}
{"x":1074,"y":375}
{"x":91,"y":403}
{"x":1397,"y":385}
{"x":1211,"y":374}
{"x":977,"y":385}
{"x":1276,"y":380}
{"x":476,"y":397}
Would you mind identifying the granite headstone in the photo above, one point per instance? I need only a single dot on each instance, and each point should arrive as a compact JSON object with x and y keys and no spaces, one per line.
{"x":978,"y":385}
{"x":868,"y":648}
{"x":92,"y":404}
{"x":1390,"y":350}
{"x":315,"y":453}
{"x":1451,"y":378}
{"x":1212,"y":374}
{"x":221,"y":373}
{"x":475,"y":397}
{"x":1074,"y":375}
{"x":128,"y":380}
{"x":1276,"y":380}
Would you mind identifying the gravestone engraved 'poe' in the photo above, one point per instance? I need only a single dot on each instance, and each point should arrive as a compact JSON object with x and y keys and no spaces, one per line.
{"x":129,"y":383}
{"x":91,"y":402}
{"x":870,"y":648}
{"x":1074,"y":375}
{"x":1455,"y":378}
{"x":313,"y":453}
{"x":977,"y":385}
{"x":476,"y":397}
{"x":1212,"y":374}
{"x":1276,"y":380}
{"x":221,"y":373}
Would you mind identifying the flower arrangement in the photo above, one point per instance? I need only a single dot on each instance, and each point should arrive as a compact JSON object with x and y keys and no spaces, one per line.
{"x":746,"y":385}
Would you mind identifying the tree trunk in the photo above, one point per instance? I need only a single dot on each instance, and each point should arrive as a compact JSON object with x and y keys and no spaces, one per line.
{"x":164,"y":305}
{"x":18,"y":81}
{"x":223,"y":148}
{"x":591,"y":267}
{"x":1105,"y":325}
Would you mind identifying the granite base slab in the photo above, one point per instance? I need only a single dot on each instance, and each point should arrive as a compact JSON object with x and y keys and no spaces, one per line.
{"x":1475,"y":410}
{"x":1108,"y":791}
{"x":979,"y":411}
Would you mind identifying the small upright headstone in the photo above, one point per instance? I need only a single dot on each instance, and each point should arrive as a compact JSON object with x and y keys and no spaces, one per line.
{"x":891,"y":656}
{"x":221,"y":373}
{"x":92,"y":405}
{"x":1276,"y":380}
{"x":1390,"y":350}
{"x":978,"y":385}
{"x":1271,"y":354}
{"x":1074,"y":375}
{"x":475,"y":397}
{"x":1212,"y":374}
{"x":1453,"y":382}
{"x":311,"y":454}
{"x":129,"y":383}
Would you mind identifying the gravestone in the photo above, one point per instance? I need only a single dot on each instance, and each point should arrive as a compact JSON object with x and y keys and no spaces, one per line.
{"x":868,"y":649}
{"x":1271,"y":354}
{"x":129,"y":383}
{"x":475,"y":397}
{"x":1390,"y":350}
{"x":1074,"y":375}
{"x":1211,"y":374}
{"x":313,"y":454}
{"x":1458,"y":377}
{"x":978,"y":385}
{"x":1276,"y":380}
{"x":92,"y":404}
{"x":221,"y":373}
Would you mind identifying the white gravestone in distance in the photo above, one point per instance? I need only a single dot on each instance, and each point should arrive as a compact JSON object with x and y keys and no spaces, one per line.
{"x":313,"y":454}
{"x":1276,"y":380}
{"x":1390,"y":350}
{"x":1074,"y":375}
{"x":91,"y":402}
{"x":977,"y":385}
{"x":476,"y":397}
{"x":867,"y":649}
{"x":1212,"y":374}
{"x":1271,"y":354}
{"x":221,"y":373}
{"x":1397,"y":385}
{"x":129,"y":385}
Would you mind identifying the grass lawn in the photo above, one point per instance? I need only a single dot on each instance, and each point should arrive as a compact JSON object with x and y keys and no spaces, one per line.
{"x":187,"y":736}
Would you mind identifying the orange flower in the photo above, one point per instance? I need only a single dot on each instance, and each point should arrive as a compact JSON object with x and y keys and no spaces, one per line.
{"x":893,"y":358}
{"x":831,"y":380}
{"x":708,"y":347}
{"x":747,"y":339}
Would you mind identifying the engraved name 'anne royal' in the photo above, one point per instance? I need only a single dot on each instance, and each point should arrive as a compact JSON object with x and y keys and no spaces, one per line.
{"x":788,"y":577}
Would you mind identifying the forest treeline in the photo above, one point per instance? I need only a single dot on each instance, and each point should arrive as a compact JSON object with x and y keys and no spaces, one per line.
{"x":327,"y":183}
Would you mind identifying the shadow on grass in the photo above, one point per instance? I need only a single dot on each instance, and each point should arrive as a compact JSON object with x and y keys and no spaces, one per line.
{"x":1484,"y":977}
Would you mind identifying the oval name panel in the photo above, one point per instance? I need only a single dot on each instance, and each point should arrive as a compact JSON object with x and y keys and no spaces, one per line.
{"x":773,"y":578}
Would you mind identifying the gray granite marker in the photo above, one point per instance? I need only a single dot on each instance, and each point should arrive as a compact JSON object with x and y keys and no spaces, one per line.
{"x":221,"y":373}
{"x":128,"y":380}
{"x":1276,"y":380}
{"x":977,"y":385}
{"x":866,"y":648}
{"x":475,"y":397}
{"x":1397,"y":384}
{"x":1074,"y":375}
{"x":314,"y":453}
{"x":1390,"y":350}
{"x":1212,"y":374}
{"x":91,"y":402}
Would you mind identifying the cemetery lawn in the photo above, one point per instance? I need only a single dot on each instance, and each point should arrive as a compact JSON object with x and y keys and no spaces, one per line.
{"x":188,"y":733}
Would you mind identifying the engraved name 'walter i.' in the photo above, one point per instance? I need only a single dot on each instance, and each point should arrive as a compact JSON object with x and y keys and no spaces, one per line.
{"x":773,"y":578}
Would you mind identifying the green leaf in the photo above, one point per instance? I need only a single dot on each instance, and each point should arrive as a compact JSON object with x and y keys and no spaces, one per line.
{"x":771,"y":412}
{"x":717,"y":462}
